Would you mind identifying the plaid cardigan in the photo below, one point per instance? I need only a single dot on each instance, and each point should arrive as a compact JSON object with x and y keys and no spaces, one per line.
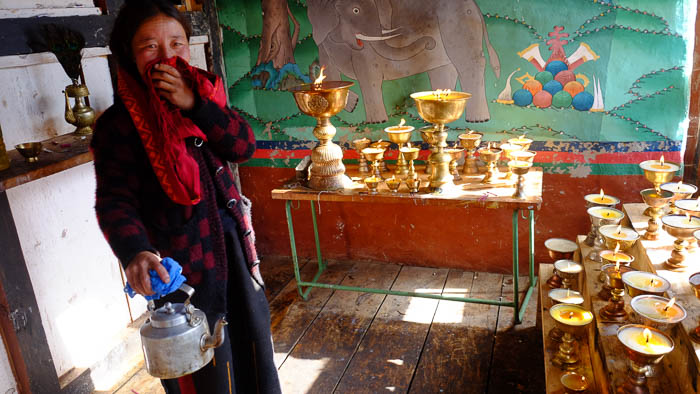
{"x":136,"y":215}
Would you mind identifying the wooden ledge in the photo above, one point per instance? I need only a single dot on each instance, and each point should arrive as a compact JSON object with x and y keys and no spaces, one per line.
{"x":58,"y":154}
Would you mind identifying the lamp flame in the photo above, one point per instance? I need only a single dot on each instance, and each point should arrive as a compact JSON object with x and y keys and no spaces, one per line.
{"x":321,"y":77}
{"x":403,"y":122}
{"x":619,"y":230}
{"x":470,"y":131}
{"x":647,"y":335}
{"x":617,"y":266}
{"x":571,"y":314}
{"x":602,"y":194}
{"x":662,"y":160}
{"x":670,"y":304}
{"x":408,"y":144}
{"x":617,"y":249}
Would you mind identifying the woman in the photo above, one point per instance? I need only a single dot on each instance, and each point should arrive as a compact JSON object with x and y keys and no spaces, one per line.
{"x":164,"y":190}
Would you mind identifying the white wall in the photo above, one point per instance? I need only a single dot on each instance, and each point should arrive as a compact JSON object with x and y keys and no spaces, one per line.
{"x":7,"y":380}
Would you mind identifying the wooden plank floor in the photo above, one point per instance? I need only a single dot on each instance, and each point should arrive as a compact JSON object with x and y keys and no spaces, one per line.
{"x":347,"y":342}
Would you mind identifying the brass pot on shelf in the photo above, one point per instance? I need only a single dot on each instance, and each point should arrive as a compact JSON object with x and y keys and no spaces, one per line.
{"x":81,"y":115}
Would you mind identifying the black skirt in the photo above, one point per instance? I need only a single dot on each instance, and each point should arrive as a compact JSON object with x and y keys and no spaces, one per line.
{"x":245,"y":362}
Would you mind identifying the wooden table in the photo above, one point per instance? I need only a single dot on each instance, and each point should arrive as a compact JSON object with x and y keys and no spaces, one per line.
{"x":466,"y":193}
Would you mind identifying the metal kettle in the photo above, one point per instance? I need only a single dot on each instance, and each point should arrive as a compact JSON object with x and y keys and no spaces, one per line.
{"x":175,"y":339}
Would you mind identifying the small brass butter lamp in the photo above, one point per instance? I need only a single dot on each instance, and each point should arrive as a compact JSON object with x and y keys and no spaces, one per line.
{"x":455,"y":154}
{"x":574,"y":383}
{"x":522,"y":141}
{"x":644,"y":346}
{"x":615,"y":309}
{"x":524,"y":155}
{"x":656,"y":200}
{"x":322,"y":100}
{"x":470,"y":141}
{"x":658,"y":172}
{"x":381,"y":145}
{"x":614,"y":235}
{"x":372,"y":183}
{"x":562,"y":296}
{"x":490,"y":156}
{"x":682,"y":228}
{"x":519,"y":168}
{"x":681,"y":191}
{"x":694,"y":281}
{"x":658,"y":311}
{"x":601,"y":216}
{"x":692,"y":208}
{"x":440,"y":108}
{"x":572,"y":320}
{"x":569,"y":271}
{"x":559,"y":249}
{"x":612,"y":257}
{"x":427,"y":134}
{"x":508,"y":150}
{"x":400,"y":135}
{"x":412,"y":181}
{"x":644,"y":283}
{"x":598,"y":200}
{"x":374,"y":155}
{"x":359,"y":145}
{"x":393,"y":184}
{"x":30,"y":151}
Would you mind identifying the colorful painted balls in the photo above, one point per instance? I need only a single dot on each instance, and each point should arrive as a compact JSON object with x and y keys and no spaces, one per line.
{"x":565,"y":77}
{"x":583,"y":101}
{"x":573,"y":88}
{"x":544,"y":77}
{"x":533,"y":86}
{"x":552,"y":87}
{"x":562,"y":99}
{"x":522,"y":97}
{"x":555,"y":67}
{"x":542,"y":99}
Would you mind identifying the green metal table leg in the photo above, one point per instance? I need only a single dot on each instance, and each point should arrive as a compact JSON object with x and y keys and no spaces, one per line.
{"x":292,"y":242}
{"x":321,"y":264}
{"x":516,"y":267}
{"x":533,"y":278}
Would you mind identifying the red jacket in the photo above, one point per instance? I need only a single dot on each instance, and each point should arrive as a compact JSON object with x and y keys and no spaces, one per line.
{"x":135,"y":214}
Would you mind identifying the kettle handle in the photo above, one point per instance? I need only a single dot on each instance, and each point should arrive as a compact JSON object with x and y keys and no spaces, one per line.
{"x":187,"y":289}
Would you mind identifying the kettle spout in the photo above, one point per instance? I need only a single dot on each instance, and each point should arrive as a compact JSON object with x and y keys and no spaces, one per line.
{"x":215,"y":340}
{"x":69,"y":115}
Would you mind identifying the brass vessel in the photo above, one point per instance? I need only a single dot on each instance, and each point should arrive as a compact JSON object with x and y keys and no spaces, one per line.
{"x":683,"y":235}
{"x":400,"y":135}
{"x":374,"y":155}
{"x":470,"y":141}
{"x":640,"y":362}
{"x":559,"y":249}
{"x":626,"y":238}
{"x":455,"y":155}
{"x":427,"y":133}
{"x":657,"y":176}
{"x":440,"y":109}
{"x":81,"y":116}
{"x":656,"y":200}
{"x":490,"y":157}
{"x":360,"y":144}
{"x":381,"y":145}
{"x":30,"y":151}
{"x":508,"y":150}
{"x":519,"y":168}
{"x":694,"y":281}
{"x":567,"y":358}
{"x":615,"y":309}
{"x":677,"y":194}
{"x":321,"y":101}
{"x":597,"y":221}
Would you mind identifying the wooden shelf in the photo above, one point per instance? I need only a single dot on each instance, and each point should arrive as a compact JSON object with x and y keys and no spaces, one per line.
{"x":58,"y":154}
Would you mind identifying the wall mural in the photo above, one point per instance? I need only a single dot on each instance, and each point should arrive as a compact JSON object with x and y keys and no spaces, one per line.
{"x":600,"y":85}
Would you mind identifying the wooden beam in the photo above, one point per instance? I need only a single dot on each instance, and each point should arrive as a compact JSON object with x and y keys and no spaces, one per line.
{"x":21,"y":302}
{"x":16,"y":33}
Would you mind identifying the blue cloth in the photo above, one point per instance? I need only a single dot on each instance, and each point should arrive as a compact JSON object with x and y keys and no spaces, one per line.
{"x":159,"y":288}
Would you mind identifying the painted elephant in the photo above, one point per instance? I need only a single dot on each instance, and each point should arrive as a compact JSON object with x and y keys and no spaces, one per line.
{"x":379,"y":40}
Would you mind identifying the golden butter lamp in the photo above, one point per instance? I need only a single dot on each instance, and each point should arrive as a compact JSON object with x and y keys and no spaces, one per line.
{"x":614,"y":235}
{"x":372,"y":183}
{"x":601,"y":216}
{"x":615,"y":309}
{"x":522,"y":141}
{"x":681,"y":191}
{"x":427,"y":134}
{"x":644,"y":283}
{"x":393,"y":184}
{"x":508,"y":150}
{"x":412,"y":180}
{"x":562,"y":296}
{"x":658,"y":172}
{"x":682,"y":228}
{"x":559,"y":249}
{"x":381,"y":145}
{"x":658,"y":311}
{"x":572,"y":320}
{"x":694,"y":281}
{"x":644,"y":346}
{"x":490,"y":157}
{"x":519,"y":168}
{"x":523,"y":155}
{"x":374,"y":155}
{"x":455,"y":154}
{"x":440,"y":108}
{"x":598,"y":200}
{"x":322,"y":100}
{"x":400,"y":135}
{"x":656,"y":200}
{"x":569,"y":271}
{"x":574,"y":382}
{"x":360,"y":144}
{"x":470,"y":141}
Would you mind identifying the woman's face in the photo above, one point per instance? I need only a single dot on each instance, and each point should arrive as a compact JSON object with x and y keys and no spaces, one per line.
{"x":160,"y":37}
